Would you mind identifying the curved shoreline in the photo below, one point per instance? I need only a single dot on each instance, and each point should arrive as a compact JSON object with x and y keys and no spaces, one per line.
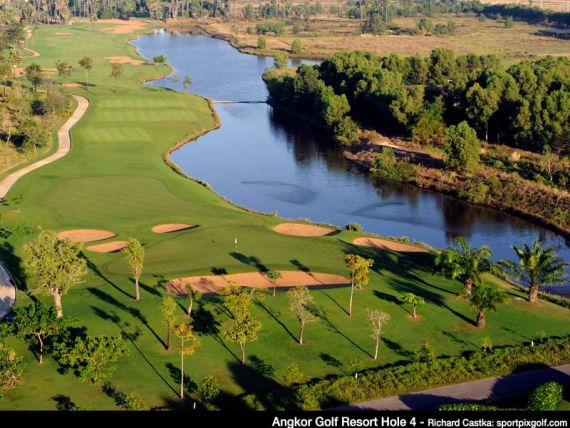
{"x":64,"y":147}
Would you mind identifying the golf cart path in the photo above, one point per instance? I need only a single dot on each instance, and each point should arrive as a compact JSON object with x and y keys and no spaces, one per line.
{"x":493,"y":388}
{"x":7,"y":292}
{"x":63,"y":149}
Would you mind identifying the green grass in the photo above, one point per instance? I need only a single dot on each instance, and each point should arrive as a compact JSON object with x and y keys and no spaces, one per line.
{"x":115,"y":178}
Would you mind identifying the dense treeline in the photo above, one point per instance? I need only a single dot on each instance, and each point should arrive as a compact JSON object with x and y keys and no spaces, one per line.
{"x":526,"y":105}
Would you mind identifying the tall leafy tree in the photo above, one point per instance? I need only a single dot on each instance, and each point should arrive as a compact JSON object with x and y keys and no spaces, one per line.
{"x":462,"y":151}
{"x":273,"y":276}
{"x":116,"y":73}
{"x":64,"y":70}
{"x":38,"y":323}
{"x":11,"y":368}
{"x":300,"y":301}
{"x":359,"y":276}
{"x":486,"y":298}
{"x":56,"y":266}
{"x":33,"y":73}
{"x":377,"y":319}
{"x":189,"y":344}
{"x":537,"y":266}
{"x":168,"y":310}
{"x":465,"y":263}
{"x":135,"y":256}
{"x":242,"y":330}
{"x":87,"y":64}
{"x":193,"y":295}
{"x":414,"y":301}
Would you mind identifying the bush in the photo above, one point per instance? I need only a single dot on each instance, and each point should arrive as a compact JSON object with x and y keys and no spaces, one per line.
{"x":546,"y":397}
{"x":281,"y":60}
{"x":296,"y":46}
{"x":388,"y":167}
{"x":261,"y":42}
{"x":353,"y":227}
{"x":159,"y":59}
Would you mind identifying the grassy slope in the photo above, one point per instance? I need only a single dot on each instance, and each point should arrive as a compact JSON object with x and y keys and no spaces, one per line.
{"x":115,"y":178}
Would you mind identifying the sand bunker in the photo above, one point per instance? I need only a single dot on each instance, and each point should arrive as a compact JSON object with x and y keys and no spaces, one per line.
{"x":72,"y":85}
{"x":214,"y":283}
{"x":109,"y":247}
{"x":171,"y":227}
{"x":123,"y":60}
{"x":86,"y":235}
{"x":62,"y":34}
{"x":121,"y":26}
{"x":385,"y":244}
{"x":296,"y":229}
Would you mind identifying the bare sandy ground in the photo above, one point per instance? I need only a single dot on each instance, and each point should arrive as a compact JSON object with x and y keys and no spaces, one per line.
{"x":171,"y":227}
{"x":214,"y":283}
{"x":86,"y":235}
{"x":72,"y":85}
{"x":124,"y":60}
{"x":296,"y":229}
{"x":108,"y":247}
{"x":61,"y":33}
{"x":121,"y":26}
{"x":385,"y":244}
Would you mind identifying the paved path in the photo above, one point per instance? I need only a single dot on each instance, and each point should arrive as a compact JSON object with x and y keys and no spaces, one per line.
{"x":7,"y":291}
{"x":63,"y":149}
{"x":493,"y":388}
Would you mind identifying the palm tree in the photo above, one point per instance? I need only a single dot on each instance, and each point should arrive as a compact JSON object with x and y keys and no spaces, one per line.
{"x":465,"y":263}
{"x":412,"y":299}
{"x":538,"y":266}
{"x":486,"y":298}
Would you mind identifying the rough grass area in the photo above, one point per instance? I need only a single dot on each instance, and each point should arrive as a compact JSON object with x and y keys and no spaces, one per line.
{"x":115,"y":178}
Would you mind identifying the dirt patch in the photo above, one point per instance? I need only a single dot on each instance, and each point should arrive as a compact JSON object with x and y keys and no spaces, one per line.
{"x":86,"y":235}
{"x":296,"y":229}
{"x":109,"y":247}
{"x":214,"y":283}
{"x":72,"y":85}
{"x":385,"y":244}
{"x":121,"y":26}
{"x":61,"y":33}
{"x":124,"y":60}
{"x":416,"y":318}
{"x":172,"y":227}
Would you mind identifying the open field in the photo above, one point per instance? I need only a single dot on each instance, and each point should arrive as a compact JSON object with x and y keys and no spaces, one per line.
{"x":556,"y":5}
{"x":327,"y":35}
{"x":115,"y":179}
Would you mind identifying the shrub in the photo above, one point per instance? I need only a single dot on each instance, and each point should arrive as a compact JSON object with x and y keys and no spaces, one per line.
{"x":159,"y":59}
{"x":388,"y":167}
{"x":426,"y":353}
{"x":354,"y":227}
{"x":297,"y":27}
{"x":296,"y":46}
{"x":546,"y":397}
{"x":261,"y":42}
{"x":281,"y":60}
{"x":250,"y":30}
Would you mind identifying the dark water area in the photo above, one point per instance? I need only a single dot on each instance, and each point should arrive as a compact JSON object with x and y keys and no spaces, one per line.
{"x":267,"y":162}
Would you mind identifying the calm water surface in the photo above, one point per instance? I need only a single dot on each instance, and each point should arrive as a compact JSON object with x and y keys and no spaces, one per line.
{"x":265,"y":162}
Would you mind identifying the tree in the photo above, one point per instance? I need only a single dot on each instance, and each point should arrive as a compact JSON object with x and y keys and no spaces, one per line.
{"x":209,"y":389}
{"x":193,"y":295}
{"x":261,"y":42}
{"x":168,"y":310}
{"x":300,"y":301}
{"x":482,"y":104}
{"x":186,"y":82}
{"x":38,"y":322}
{"x":135,"y":256}
{"x":93,"y":358}
{"x":376,"y":319}
{"x":189,"y":343}
{"x":296,"y":46}
{"x":243,"y":329}
{"x":412,"y":299}
{"x":87,"y":64}
{"x":159,"y":59}
{"x":486,"y":298}
{"x":537,"y":266}
{"x":116,"y":73}
{"x":55,"y":264}
{"x":63,"y":69}
{"x":464,"y":263}
{"x":33,"y":73}
{"x":462,"y":151}
{"x":14,"y":59}
{"x":5,"y":72}
{"x":273,"y":276}
{"x":293,"y":375}
{"x":281,"y":60}
{"x":358,"y":267}
{"x":11,"y":368}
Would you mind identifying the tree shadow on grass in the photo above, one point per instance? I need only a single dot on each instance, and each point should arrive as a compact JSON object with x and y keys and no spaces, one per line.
{"x":300,"y":266}
{"x":331,"y":326}
{"x":14,"y":263}
{"x":205,"y":323}
{"x":147,"y":288}
{"x":397,"y":348}
{"x":132,"y":338}
{"x":261,"y":366}
{"x":93,"y":267}
{"x":174,"y":372}
{"x":332,"y":299}
{"x":219,"y":271}
{"x":275,"y":316}
{"x":136,"y":313}
{"x":458,"y":339}
{"x":329,"y":360}
{"x":64,"y":403}
{"x":250,"y":261}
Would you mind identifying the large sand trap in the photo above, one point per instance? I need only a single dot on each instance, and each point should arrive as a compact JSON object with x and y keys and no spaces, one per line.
{"x":109,"y":247}
{"x":296,"y":229}
{"x":214,"y":283}
{"x":123,"y":60}
{"x":86,"y":235}
{"x":171,"y":227}
{"x":121,"y":26}
{"x":385,"y":244}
